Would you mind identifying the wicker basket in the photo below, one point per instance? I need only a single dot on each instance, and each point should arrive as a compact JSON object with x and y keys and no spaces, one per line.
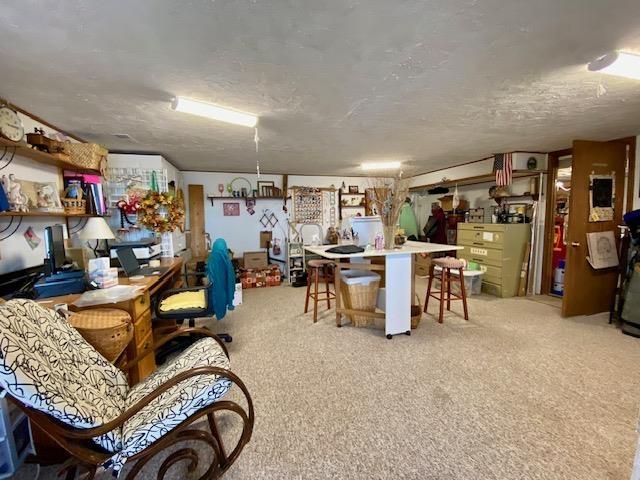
{"x":89,"y":156}
{"x":360,"y":297}
{"x":109,"y":330}
{"x":73,"y":205}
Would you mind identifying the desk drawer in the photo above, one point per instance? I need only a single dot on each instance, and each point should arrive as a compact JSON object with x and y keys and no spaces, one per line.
{"x":482,"y":227}
{"x":140,"y":304}
{"x":148,"y":364}
{"x":142,"y":327}
{"x":492,"y":289}
{"x":484,"y":256}
{"x":492,"y":274}
{"x":481,"y":238}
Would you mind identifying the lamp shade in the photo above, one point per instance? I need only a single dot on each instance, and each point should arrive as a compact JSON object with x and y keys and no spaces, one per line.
{"x":96,"y":229}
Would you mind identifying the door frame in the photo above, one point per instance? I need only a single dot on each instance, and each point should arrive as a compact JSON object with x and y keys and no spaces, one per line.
{"x":631,"y":169}
{"x":552,"y":175}
{"x":553,"y":159}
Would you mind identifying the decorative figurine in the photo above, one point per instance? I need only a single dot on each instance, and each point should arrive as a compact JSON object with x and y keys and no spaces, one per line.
{"x":19,"y":201}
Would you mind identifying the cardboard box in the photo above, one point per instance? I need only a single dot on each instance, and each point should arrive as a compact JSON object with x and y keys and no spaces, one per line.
{"x":265,"y":239}
{"x":255,"y":260}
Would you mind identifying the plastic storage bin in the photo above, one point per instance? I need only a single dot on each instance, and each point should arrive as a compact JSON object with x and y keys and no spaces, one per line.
{"x":359,"y":289}
{"x":472,"y":280}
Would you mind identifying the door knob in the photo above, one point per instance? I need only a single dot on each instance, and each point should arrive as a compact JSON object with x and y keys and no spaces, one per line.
{"x":575,"y":244}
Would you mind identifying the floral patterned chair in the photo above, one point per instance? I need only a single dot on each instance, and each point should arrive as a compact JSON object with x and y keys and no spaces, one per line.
{"x":85,"y":405}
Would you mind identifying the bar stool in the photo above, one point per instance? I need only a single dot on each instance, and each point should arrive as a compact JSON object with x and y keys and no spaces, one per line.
{"x":446,"y":264}
{"x":315,"y":268}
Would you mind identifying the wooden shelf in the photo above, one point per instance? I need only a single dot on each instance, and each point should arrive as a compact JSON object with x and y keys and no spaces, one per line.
{"x":488,"y":178}
{"x":49,"y":214}
{"x":24,"y":150}
{"x":347,"y":193}
{"x":352,"y":206}
{"x":212,"y":198}
{"x":533,"y":196}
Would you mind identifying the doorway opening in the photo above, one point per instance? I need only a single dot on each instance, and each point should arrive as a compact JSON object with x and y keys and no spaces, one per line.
{"x":560,"y":205}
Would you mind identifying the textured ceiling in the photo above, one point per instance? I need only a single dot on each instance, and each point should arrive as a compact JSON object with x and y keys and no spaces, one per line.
{"x":434,"y":83}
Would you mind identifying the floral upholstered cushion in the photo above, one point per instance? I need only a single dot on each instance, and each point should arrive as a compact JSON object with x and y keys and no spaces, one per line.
{"x":178,"y":403}
{"x":450,"y":262}
{"x":47,"y":365}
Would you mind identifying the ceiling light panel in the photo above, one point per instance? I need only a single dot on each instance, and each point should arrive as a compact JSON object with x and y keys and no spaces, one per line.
{"x":215,"y":112}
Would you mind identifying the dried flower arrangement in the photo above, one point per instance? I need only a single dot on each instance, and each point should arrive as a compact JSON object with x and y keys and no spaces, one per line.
{"x":387,"y":197}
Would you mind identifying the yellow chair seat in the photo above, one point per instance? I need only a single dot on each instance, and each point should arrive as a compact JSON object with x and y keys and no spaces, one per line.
{"x":184,"y":301}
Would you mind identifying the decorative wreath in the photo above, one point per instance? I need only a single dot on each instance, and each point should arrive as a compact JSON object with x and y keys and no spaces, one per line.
{"x":161,"y":212}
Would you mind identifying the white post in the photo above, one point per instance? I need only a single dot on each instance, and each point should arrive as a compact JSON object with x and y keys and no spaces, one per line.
{"x":398,"y":293}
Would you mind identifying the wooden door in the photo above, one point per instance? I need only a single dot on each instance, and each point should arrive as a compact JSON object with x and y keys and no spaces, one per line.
{"x":196,"y":221}
{"x":588,"y":291}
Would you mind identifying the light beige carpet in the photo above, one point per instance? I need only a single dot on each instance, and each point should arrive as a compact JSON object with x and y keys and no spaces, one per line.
{"x":516,"y":393}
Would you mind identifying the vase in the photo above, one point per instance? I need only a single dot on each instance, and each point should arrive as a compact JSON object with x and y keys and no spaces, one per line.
{"x":389,"y":236}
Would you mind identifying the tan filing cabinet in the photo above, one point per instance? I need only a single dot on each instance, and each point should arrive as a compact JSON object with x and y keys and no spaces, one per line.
{"x":499,"y":249}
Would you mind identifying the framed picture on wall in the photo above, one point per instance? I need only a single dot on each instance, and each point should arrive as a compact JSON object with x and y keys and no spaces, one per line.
{"x":231,"y":209}
{"x":353,"y":189}
{"x":265,"y":188}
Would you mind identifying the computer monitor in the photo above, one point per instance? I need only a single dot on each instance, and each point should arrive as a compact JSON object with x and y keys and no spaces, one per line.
{"x":54,"y":246}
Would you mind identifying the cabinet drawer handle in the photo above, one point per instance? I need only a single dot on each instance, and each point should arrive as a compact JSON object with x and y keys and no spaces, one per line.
{"x":478,"y":243}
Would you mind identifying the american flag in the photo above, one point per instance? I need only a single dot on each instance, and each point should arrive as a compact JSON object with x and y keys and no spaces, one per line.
{"x":503,"y":168}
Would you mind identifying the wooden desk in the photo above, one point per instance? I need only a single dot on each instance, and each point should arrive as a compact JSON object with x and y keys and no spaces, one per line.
{"x":140,"y":310}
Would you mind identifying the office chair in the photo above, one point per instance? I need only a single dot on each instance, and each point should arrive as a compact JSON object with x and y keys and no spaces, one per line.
{"x":212,"y":299}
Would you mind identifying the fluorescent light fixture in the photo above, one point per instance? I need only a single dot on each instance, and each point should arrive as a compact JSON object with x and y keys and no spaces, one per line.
{"x":209,"y":110}
{"x":621,"y":64}
{"x":381,"y":165}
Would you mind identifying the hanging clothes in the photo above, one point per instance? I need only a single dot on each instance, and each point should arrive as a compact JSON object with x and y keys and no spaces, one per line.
{"x":408,"y":221}
{"x":220,"y":272}
{"x":436,"y":227}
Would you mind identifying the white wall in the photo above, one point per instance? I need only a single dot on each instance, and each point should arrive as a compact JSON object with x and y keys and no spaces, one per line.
{"x":15,"y":252}
{"x":243,"y":233}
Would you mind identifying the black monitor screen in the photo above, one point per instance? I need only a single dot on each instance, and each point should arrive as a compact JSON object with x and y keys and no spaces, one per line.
{"x":55,"y":246}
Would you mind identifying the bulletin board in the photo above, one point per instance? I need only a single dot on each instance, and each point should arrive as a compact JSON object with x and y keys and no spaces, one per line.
{"x":307,"y":205}
{"x":602,"y":197}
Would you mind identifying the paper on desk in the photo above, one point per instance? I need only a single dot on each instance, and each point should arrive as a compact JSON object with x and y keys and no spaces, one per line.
{"x":119,"y":293}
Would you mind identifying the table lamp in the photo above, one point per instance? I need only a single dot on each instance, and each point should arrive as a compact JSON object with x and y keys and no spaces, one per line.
{"x":96,"y":229}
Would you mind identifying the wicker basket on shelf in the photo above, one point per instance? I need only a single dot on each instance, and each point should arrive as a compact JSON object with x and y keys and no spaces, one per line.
{"x":73,"y":202}
{"x":109,"y":330}
{"x":89,"y":156}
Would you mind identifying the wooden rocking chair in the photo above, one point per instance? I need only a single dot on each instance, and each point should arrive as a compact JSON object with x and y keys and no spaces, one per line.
{"x":86,"y":406}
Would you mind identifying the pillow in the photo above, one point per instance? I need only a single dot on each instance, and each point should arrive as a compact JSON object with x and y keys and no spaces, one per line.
{"x":47,"y":365}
